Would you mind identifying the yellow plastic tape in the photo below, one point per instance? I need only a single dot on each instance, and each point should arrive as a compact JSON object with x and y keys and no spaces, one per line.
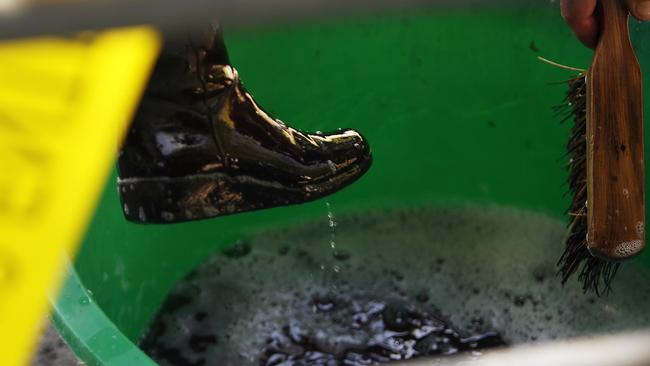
{"x":64,"y":106}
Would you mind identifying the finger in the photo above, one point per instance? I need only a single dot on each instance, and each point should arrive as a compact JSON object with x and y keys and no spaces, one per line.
{"x":587,"y":31}
{"x":578,"y":9}
{"x":639,"y":9}
{"x":580,"y":15}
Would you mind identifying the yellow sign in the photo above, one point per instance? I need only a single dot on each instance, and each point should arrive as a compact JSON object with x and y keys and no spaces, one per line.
{"x":64,"y":106}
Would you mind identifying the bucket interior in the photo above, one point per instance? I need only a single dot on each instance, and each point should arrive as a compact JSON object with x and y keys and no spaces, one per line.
{"x":455,"y":105}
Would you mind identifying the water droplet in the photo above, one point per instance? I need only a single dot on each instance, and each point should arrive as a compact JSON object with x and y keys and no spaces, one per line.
{"x":331,"y":221}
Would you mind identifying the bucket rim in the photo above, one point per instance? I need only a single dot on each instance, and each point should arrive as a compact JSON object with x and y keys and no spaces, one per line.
{"x":87,"y":330}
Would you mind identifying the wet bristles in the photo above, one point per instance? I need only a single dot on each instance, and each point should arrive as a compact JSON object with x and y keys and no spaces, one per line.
{"x":595,"y":274}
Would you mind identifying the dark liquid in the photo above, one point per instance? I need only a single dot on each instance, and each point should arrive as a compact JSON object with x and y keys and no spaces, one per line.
{"x":377,"y":332}
{"x":392,"y":332}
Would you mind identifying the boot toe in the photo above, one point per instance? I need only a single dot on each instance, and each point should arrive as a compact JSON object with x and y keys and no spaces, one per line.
{"x":347,"y":149}
{"x":348,"y":157}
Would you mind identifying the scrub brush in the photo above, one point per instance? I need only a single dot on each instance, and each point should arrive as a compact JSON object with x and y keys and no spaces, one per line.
{"x":606,"y":152}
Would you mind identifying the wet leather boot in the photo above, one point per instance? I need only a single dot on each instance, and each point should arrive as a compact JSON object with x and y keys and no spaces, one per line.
{"x":200,"y":146}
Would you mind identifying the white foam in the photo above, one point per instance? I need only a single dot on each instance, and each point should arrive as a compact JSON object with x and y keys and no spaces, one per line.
{"x":481,"y":268}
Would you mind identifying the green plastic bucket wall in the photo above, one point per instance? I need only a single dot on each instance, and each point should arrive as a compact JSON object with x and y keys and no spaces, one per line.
{"x":454,"y":102}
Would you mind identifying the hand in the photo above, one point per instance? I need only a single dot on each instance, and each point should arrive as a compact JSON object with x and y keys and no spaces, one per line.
{"x":581,"y":17}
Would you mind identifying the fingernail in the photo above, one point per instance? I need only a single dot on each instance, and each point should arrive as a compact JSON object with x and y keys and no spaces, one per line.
{"x":642,"y":10}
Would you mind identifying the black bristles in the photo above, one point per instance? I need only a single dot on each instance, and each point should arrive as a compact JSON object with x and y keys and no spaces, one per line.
{"x":595,"y":274}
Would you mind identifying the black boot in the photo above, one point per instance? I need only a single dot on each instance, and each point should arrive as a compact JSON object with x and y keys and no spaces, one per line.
{"x":201,"y":147}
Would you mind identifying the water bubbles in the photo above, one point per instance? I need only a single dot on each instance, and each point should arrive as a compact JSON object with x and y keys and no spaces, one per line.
{"x":296,"y":333}
{"x":452,"y":279}
{"x":284,"y":250}
{"x":519,"y":301}
{"x":239,"y":250}
{"x":324,"y":304}
{"x":422,"y":297}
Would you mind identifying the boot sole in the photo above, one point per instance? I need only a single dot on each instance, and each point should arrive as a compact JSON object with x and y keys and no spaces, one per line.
{"x":165,"y":200}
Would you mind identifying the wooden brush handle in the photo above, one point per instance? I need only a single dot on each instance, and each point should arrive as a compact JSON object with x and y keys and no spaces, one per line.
{"x":615,"y":167}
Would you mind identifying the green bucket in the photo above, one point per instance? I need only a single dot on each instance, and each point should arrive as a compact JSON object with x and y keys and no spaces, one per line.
{"x":454,"y":102}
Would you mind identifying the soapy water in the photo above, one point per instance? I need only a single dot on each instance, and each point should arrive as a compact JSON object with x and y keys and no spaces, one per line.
{"x":428,"y":282}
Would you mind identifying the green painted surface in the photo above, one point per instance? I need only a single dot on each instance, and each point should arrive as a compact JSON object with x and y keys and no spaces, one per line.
{"x":456,"y":108}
